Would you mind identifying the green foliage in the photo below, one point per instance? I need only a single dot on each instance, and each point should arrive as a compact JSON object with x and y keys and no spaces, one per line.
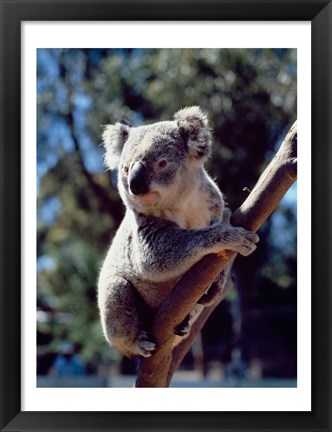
{"x":250,"y":98}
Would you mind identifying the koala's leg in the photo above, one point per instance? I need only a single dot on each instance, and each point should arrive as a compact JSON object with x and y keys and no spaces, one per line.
{"x":214,"y":292}
{"x":210,"y":297}
{"x":125,"y":319}
{"x":183,"y":329}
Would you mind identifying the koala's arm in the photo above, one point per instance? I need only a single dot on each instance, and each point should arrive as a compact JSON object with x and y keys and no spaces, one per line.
{"x":163,"y":249}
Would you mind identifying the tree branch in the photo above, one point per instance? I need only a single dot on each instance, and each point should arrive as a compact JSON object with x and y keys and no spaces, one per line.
{"x":277,"y":178}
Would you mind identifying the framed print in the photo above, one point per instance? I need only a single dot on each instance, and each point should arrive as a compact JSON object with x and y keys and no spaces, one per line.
{"x":271,"y":64}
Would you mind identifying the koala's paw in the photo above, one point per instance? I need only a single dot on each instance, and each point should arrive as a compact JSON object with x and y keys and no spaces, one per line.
{"x":183,"y":329}
{"x":144,"y":345}
{"x":241,"y":240}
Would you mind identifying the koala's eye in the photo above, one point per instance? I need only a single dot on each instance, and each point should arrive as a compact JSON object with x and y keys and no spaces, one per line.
{"x":161,"y":164}
{"x":125,"y":169}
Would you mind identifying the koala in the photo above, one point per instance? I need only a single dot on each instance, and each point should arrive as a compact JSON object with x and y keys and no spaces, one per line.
{"x":175,"y":215}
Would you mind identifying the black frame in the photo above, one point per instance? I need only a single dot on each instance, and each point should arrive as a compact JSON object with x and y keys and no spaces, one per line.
{"x":13,"y":12}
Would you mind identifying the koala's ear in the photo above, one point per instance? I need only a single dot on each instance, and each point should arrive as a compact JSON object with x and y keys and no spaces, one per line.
{"x":114,"y":138}
{"x":193,"y":126}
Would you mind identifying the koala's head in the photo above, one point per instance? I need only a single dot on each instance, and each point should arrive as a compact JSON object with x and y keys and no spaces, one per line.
{"x":159,"y":162}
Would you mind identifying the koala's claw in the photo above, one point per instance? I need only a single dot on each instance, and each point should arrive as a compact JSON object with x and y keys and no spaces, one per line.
{"x":246,"y":241}
{"x":145,"y":347}
{"x":183,"y":329}
{"x":246,"y":250}
{"x":182,"y":332}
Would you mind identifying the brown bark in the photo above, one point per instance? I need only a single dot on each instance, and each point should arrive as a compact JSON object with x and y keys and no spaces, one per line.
{"x":277,"y":178}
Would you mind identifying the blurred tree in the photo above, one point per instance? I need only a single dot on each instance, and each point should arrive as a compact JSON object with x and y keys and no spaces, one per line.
{"x":250,"y":98}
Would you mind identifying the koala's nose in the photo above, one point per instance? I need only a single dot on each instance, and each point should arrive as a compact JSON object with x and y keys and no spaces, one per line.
{"x":138,"y":179}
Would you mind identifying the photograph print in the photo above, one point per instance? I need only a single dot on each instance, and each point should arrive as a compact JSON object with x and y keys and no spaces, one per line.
{"x":166,"y":226}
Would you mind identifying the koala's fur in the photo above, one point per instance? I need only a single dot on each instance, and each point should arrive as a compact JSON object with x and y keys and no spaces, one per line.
{"x":174,"y":217}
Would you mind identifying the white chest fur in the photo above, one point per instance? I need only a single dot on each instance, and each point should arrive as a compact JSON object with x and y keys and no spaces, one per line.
{"x":194,"y":212}
{"x":198,"y":208}
{"x":194,"y":203}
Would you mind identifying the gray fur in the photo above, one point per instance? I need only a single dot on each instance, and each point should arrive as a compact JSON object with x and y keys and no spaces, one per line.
{"x":166,"y":229}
